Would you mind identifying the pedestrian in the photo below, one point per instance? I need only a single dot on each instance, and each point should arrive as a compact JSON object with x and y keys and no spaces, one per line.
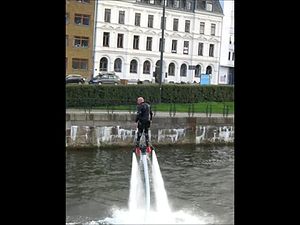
{"x":143,"y":120}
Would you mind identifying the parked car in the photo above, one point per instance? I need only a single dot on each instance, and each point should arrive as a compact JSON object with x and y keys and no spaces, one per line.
{"x":143,"y":81}
{"x":75,"y":79}
{"x":105,"y":78}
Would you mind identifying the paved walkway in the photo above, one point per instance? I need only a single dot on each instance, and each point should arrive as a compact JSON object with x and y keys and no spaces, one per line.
{"x":159,"y":114}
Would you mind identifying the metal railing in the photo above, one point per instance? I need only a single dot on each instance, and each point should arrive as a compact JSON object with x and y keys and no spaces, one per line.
{"x":90,"y":104}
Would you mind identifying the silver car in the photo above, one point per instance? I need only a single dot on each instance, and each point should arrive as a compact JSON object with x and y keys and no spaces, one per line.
{"x":105,"y":78}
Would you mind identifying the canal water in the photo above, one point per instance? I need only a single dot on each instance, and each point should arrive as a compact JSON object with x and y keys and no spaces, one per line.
{"x":199,"y":183}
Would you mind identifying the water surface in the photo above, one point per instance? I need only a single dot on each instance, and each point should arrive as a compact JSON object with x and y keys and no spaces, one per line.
{"x":198,"y":182}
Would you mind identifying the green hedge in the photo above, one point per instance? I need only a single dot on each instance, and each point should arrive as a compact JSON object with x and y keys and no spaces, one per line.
{"x":99,"y":95}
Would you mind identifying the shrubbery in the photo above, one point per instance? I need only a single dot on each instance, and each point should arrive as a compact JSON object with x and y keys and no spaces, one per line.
{"x":100,"y":95}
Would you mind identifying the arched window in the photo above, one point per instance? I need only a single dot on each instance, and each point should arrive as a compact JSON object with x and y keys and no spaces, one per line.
{"x":198,"y":71}
{"x":183,"y":70}
{"x":103,"y":64}
{"x":118,"y":65}
{"x":133,"y":66}
{"x":208,"y":70}
{"x":146,"y":67}
{"x":171,"y":70}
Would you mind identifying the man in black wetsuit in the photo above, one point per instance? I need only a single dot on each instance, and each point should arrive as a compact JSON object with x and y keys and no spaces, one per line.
{"x":144,"y":119}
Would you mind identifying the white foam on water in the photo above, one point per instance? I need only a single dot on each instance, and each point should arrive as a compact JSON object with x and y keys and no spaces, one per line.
{"x":122,"y":216}
{"x":147,"y":182}
{"x":162,"y":203}
{"x":136,"y":193}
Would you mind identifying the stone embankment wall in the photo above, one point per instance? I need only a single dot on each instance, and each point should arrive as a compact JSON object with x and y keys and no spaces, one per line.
{"x":103,"y":129}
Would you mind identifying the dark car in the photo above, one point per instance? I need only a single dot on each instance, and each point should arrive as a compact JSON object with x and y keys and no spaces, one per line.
{"x":105,"y":78}
{"x":75,"y":79}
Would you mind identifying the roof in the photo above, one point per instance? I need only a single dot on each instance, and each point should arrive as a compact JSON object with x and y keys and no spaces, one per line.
{"x":216,"y":6}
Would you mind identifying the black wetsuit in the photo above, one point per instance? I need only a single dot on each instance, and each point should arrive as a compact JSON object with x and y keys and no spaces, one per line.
{"x":143,"y":118}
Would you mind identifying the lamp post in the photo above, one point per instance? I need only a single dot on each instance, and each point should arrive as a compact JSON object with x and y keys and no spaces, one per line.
{"x":162,"y":49}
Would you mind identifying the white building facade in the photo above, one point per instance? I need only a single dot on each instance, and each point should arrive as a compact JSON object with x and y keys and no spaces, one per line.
{"x":226,"y":72}
{"x":128,"y":35}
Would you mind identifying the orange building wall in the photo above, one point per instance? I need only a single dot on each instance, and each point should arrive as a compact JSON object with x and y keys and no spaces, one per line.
{"x":74,"y":7}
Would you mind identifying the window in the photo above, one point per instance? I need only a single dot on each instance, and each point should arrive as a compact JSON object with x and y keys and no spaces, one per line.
{"x":198,"y":71}
{"x":146,"y":67}
{"x":189,"y":5}
{"x":213,"y":29}
{"x":208,"y":70}
{"x":174,"y":46}
{"x":233,"y":56}
{"x":199,"y":4}
{"x":208,"y":6}
{"x":230,"y":40}
{"x":120,"y":40}
{"x":86,"y":20}
{"x":107,"y":15}
{"x":133,"y":66}
{"x":171,"y":70}
{"x":150,"y":21}
{"x":175,"y":24}
{"x":176,"y":3}
{"x":186,"y":47}
{"x":158,"y":2}
{"x":103,"y":64}
{"x":81,"y":42}
{"x":200,"y":48}
{"x":79,"y":64}
{"x":84,"y":1}
{"x":121,"y":17}
{"x":136,"y":42}
{"x":187,"y":26}
{"x":81,"y":19}
{"x":161,"y":44}
{"x":118,"y":65}
{"x":211,"y":50}
{"x":149,"y":44}
{"x":202,"y":26}
{"x":183,"y":69}
{"x":106,"y":39}
{"x":161,"y":23}
{"x":229,"y":55}
{"x":137,"y":21}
